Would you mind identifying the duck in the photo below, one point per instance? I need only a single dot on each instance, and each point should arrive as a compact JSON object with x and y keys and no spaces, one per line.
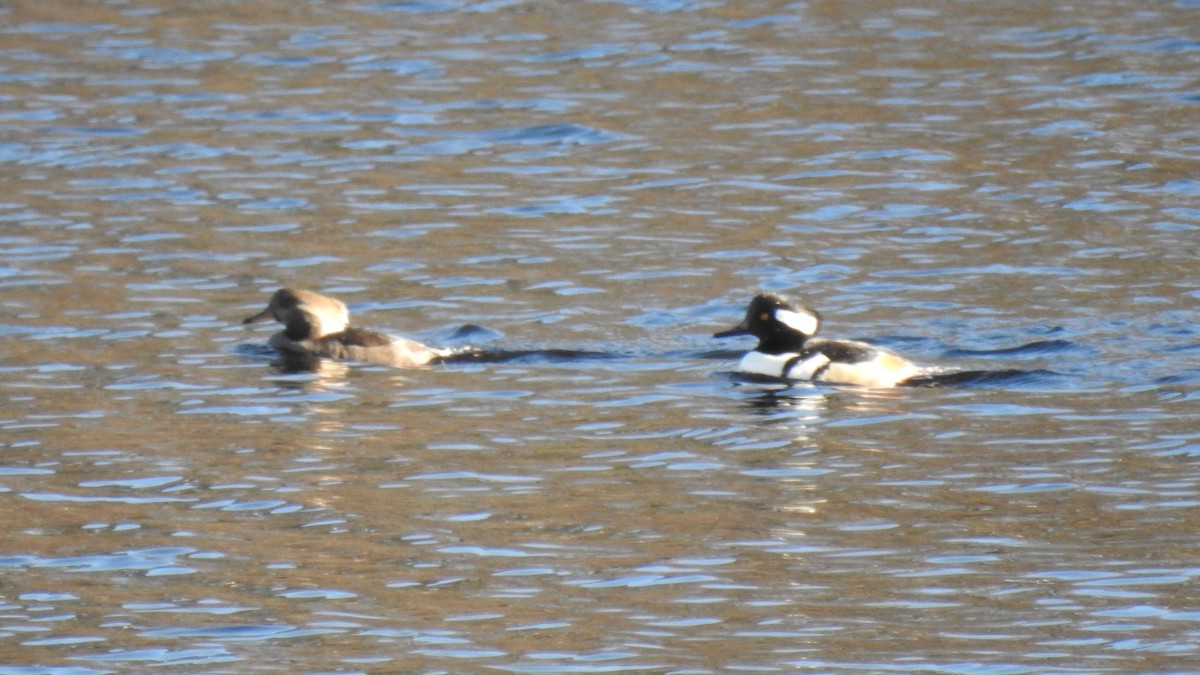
{"x":317,"y":325}
{"x":787,"y":349}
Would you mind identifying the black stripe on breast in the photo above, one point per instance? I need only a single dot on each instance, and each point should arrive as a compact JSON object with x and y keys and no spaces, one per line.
{"x":791,"y":363}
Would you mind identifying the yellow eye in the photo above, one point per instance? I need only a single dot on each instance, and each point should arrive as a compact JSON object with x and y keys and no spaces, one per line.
{"x":764,"y":317}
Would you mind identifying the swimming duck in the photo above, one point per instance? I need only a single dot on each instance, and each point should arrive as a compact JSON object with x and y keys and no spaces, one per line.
{"x":786,"y":348}
{"x":316,"y":325}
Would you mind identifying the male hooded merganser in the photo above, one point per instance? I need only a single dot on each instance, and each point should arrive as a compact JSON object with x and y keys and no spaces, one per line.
{"x":317,"y":325}
{"x":786,"y":348}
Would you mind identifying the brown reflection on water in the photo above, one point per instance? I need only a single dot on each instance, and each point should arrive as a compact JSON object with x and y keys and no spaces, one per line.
{"x":953,"y":181}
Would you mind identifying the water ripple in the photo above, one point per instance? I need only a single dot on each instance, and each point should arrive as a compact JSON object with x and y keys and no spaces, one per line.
{"x":577,"y":195}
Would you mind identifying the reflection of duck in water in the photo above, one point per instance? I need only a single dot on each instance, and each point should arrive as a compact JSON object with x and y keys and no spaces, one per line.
{"x":319,"y":326}
{"x":787,"y":349}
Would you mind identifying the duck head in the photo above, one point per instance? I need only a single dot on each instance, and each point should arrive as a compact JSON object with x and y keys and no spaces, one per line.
{"x":779,"y":326}
{"x":304,"y":314}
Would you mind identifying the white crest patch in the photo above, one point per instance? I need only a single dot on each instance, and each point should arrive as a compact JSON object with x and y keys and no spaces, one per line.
{"x":326,"y":318}
{"x":804,"y":321}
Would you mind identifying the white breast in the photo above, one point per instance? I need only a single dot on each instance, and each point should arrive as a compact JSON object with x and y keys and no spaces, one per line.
{"x":764,"y":364}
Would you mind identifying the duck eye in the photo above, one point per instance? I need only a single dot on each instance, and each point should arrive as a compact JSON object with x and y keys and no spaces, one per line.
{"x":765,"y":316}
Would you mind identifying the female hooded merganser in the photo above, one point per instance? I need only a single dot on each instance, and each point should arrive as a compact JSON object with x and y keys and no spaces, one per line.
{"x":786,"y":348}
{"x":317,"y":325}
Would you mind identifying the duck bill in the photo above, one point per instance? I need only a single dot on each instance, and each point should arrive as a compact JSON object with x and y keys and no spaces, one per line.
{"x":742,"y":328}
{"x":261,"y":316}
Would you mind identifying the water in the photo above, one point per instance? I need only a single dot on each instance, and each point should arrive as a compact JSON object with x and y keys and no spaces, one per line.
{"x":1005,"y":187}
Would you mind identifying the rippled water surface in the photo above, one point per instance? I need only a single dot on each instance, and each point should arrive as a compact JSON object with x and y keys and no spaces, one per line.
{"x":994,"y":186}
